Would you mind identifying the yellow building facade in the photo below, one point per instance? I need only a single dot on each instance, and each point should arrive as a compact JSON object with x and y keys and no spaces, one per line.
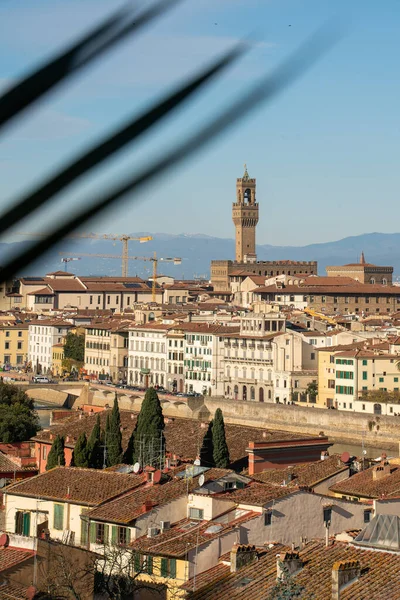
{"x":58,"y":357}
{"x":13,"y":345}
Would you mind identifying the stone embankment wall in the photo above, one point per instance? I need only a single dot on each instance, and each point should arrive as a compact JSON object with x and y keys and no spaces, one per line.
{"x":54,"y":397}
{"x":378,"y":431}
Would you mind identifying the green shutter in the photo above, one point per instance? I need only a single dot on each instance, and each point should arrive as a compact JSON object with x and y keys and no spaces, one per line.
{"x":92,"y":533}
{"x":84,"y":532}
{"x":105,"y":534}
{"x":164,"y":567}
{"x":150,"y":565}
{"x":114,"y":535}
{"x":172,"y":568}
{"x":128,"y":535}
{"x":26,"y":524}
{"x":137,"y":562}
{"x":59,"y":517}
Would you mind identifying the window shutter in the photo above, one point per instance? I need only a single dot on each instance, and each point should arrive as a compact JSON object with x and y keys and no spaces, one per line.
{"x":114,"y":535}
{"x":26,"y":524}
{"x":84,"y":532}
{"x":92,"y":533}
{"x":18,"y":522}
{"x":164,"y":567}
{"x":106,"y":534}
{"x":172,"y":568}
{"x":137,"y":562}
{"x":59,"y":516}
{"x":149,"y":565}
{"x":128,"y":535}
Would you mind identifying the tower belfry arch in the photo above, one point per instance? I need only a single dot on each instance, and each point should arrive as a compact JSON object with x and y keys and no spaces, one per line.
{"x":245,"y":218}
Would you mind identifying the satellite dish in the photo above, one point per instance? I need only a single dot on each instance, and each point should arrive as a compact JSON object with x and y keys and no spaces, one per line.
{"x":4,"y":540}
{"x":136,"y":467}
{"x":2,"y":483}
{"x":197,"y":462}
{"x":364,"y":452}
{"x":157,"y":476}
{"x":345,"y":457}
{"x":201,"y":480}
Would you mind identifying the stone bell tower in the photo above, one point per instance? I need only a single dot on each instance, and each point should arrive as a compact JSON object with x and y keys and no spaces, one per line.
{"x":245,"y":218}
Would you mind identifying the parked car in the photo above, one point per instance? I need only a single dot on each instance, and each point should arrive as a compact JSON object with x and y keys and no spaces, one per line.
{"x":40,"y":379}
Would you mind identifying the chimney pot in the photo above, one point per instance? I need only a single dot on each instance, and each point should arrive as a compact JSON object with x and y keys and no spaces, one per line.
{"x":241,"y":555}
{"x":289,"y":561}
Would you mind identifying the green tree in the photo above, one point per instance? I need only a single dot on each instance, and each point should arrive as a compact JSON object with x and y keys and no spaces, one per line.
{"x":80,"y":456}
{"x":220,"y":447}
{"x":18,"y":419}
{"x":312,"y":390}
{"x":287,"y":589}
{"x":149,"y":442}
{"x":207,"y":448}
{"x":94,"y":449}
{"x":56,"y":457}
{"x":114,"y":436}
{"x":74,"y":347}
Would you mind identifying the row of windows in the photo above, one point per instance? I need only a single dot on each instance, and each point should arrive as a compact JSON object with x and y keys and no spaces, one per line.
{"x":199,"y":338}
{"x":344,"y":389}
{"x":103,"y":362}
{"x":252,"y":374}
{"x":149,"y":347}
{"x":355,"y":299}
{"x":19,"y":334}
{"x":7,"y":359}
{"x":344,"y":361}
{"x":198,"y":376}
{"x":98,"y":332}
{"x":175,"y":343}
{"x":146,"y":363}
{"x":45,"y":330}
{"x":175,"y":355}
{"x":200,"y":364}
{"x":194,"y":350}
{"x":98,"y":345}
{"x":344,"y":375}
{"x":7,"y":345}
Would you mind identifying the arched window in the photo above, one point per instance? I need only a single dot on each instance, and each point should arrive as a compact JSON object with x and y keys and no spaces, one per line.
{"x":261,"y":375}
{"x":244,"y":373}
{"x":269,"y":394}
{"x":228,"y":371}
{"x":228,"y":391}
{"x":146,"y":363}
{"x":252,"y":393}
{"x":244,"y":392}
{"x":261,"y":394}
{"x":372,"y":280}
{"x":384,"y":281}
{"x":269,"y":375}
{"x":236,"y":392}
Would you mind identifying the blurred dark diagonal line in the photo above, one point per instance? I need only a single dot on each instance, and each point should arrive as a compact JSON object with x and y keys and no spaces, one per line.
{"x":21,"y":208}
{"x":266,"y":89}
{"x":111,"y":31}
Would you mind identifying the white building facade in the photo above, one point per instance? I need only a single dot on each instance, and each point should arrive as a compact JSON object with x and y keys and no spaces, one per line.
{"x":43,"y":335}
{"x":148,"y":355}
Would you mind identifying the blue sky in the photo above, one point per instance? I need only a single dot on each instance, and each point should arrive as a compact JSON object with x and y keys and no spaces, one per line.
{"x":325,"y":154}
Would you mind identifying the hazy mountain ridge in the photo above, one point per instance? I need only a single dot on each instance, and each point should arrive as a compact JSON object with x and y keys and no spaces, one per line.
{"x":197,"y":251}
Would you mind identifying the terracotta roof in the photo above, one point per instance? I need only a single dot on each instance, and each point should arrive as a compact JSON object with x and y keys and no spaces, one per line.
{"x":303,"y":475}
{"x":348,"y":290}
{"x":363,"y":485}
{"x":52,"y":323}
{"x":61,"y":273}
{"x":79,"y":486}
{"x":183,"y":436}
{"x":65,"y":285}
{"x":130,"y":506}
{"x":177,"y":540}
{"x":43,"y":292}
{"x":9,"y":466}
{"x":256,"y":494}
{"x":379,"y":579}
{"x":10,"y":590}
{"x":10,"y":557}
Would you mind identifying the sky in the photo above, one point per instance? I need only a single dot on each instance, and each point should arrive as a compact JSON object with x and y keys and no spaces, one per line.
{"x":325,"y":152}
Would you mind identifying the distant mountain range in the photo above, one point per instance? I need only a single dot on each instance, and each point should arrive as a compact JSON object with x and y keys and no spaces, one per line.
{"x":198,"y":250}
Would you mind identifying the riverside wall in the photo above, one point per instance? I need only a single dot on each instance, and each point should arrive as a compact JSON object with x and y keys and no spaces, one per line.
{"x":375,"y":430}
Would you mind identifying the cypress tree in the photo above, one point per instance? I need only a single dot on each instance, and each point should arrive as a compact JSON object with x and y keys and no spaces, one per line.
{"x":220,"y":450}
{"x":80,"y":456}
{"x":207,"y":448}
{"x":56,"y":455}
{"x":114,"y":436}
{"x":149,"y":435}
{"x":95,"y":453}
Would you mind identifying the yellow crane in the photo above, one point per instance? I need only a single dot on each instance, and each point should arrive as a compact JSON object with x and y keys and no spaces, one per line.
{"x":154,"y":259}
{"x":105,"y":236}
{"x":314,"y":313}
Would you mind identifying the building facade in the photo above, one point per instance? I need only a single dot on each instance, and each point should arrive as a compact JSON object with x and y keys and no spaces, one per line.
{"x":363,"y":272}
{"x":13,"y":345}
{"x":148,"y":355}
{"x":43,"y":335}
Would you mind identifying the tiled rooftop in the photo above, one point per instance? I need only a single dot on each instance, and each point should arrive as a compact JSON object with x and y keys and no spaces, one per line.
{"x":10,"y":557}
{"x":129,"y":506}
{"x":178,"y":540}
{"x":9,"y":466}
{"x":12,"y":591}
{"x":303,"y":475}
{"x":183,"y":436}
{"x":79,"y":486}
{"x":363,"y":485}
{"x":379,"y":579}
{"x":256,"y":494}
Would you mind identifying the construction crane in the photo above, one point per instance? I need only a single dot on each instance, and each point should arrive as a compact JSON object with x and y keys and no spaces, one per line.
{"x":153,"y":259}
{"x":105,"y":236}
{"x":68,"y":259}
{"x":314,"y":313}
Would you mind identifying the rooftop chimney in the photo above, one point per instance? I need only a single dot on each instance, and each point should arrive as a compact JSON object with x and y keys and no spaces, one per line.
{"x":381,"y":471}
{"x":343,"y":574}
{"x":289,"y":562}
{"x":241,"y":555}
